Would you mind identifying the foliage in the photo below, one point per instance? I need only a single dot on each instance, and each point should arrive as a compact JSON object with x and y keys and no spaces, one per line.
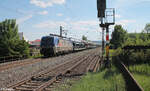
{"x":35,"y":53}
{"x":106,"y":80}
{"x":142,"y":75}
{"x":143,"y":36}
{"x":131,"y":57}
{"x":135,"y":56}
{"x":117,"y":52}
{"x":10,"y":44}
{"x":143,"y":81}
{"x":135,"y":39}
{"x":118,"y":36}
{"x":147,"y":28}
{"x":84,"y":38}
{"x":138,"y":61}
{"x":140,"y":69}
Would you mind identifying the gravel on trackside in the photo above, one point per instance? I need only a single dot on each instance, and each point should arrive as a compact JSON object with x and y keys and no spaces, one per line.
{"x":14,"y":75}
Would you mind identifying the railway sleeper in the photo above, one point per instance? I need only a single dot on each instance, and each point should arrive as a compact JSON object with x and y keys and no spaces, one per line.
{"x":58,"y":80}
{"x":92,"y":64}
{"x":37,"y":82}
{"x":33,"y":84}
{"x":43,"y":79}
{"x":28,"y":86}
{"x":97,"y":65}
{"x":46,"y":80}
{"x":48,"y":89}
{"x":23,"y":89}
{"x":67,"y":74}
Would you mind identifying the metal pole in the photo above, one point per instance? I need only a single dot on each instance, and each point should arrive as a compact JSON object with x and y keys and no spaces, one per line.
{"x":60,"y":31}
{"x":107,"y":46}
{"x":103,"y":29}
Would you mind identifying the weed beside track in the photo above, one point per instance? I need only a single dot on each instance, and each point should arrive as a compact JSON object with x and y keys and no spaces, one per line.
{"x":104,"y":80}
{"x":142,"y":75}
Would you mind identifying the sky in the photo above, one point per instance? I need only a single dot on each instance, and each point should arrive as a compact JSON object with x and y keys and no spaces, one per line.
{"x":37,"y":18}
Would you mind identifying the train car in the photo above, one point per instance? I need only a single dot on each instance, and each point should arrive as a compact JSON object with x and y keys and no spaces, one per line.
{"x":53,"y":45}
{"x":78,"y":45}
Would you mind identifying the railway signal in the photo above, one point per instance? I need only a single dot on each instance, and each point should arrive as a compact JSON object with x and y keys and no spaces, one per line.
{"x":101,"y":7}
{"x":104,"y":14}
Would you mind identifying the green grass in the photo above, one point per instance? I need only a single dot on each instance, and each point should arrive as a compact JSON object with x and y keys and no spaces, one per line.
{"x":106,"y":80}
{"x":141,"y":74}
{"x":111,"y":52}
{"x":65,"y":86}
{"x":143,"y":80}
{"x":141,"y":69}
{"x":36,"y":56}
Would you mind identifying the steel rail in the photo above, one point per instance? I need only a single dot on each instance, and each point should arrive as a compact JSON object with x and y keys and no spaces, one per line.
{"x":61,"y":73}
{"x":43,"y":73}
{"x":39,"y":74}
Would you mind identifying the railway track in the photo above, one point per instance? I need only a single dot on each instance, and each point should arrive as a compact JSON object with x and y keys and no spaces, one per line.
{"x":41,"y":81}
{"x":21,"y":63}
{"x":6,"y":66}
{"x":18,"y":63}
{"x":78,"y":71}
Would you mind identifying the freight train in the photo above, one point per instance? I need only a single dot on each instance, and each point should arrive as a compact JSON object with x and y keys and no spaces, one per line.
{"x":55,"y":45}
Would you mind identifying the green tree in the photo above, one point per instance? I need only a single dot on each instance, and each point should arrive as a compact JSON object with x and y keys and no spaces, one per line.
{"x":118,"y":36}
{"x":84,"y":38}
{"x":147,"y":28}
{"x":143,"y":36}
{"x":10,"y":44}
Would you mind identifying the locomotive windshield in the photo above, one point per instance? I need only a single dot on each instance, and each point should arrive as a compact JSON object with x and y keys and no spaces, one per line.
{"x":47,"y":41}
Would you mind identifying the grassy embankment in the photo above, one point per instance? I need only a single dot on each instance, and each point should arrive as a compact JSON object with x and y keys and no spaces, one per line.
{"x":142,"y":75}
{"x":138,"y":64}
{"x":104,"y":80}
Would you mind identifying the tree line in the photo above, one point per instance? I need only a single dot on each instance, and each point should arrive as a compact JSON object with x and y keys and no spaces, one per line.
{"x":121,"y":38}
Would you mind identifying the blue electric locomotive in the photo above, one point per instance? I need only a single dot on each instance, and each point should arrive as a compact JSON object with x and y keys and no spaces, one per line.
{"x":53,"y":45}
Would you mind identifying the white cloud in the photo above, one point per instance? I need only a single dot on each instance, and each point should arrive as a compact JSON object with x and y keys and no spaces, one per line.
{"x":50,"y":24}
{"x":125,"y":22}
{"x":23,"y":19}
{"x":75,"y":25}
{"x":47,"y":3}
{"x":43,"y":12}
{"x":59,"y":14}
{"x":85,"y":23}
